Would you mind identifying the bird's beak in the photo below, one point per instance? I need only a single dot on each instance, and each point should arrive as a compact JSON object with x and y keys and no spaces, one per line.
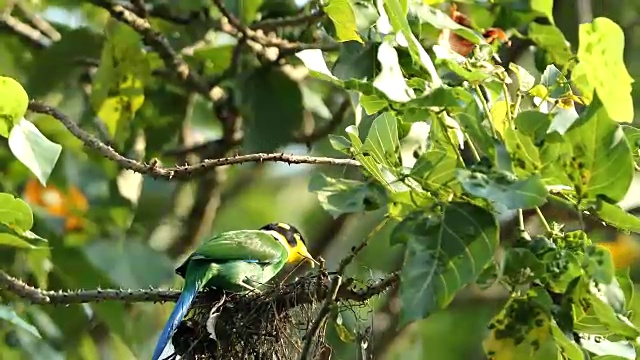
{"x":308,"y":256}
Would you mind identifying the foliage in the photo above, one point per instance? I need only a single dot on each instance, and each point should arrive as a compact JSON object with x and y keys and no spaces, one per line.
{"x":445,"y":145}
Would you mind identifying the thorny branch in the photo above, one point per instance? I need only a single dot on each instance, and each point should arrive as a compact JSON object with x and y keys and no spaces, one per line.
{"x":178,"y":172}
{"x":345,"y":292}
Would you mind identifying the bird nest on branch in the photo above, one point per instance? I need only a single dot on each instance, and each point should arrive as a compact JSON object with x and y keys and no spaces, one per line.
{"x":270,"y":325}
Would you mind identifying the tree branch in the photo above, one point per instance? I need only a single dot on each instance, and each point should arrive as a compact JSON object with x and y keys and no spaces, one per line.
{"x":298,"y":291}
{"x":179,"y":172}
{"x":298,"y":20}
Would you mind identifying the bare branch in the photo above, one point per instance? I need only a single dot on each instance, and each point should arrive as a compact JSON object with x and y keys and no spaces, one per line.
{"x":320,"y":318}
{"x":178,"y":172}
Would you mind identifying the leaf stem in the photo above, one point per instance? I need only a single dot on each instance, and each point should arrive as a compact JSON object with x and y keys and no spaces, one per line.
{"x":485,"y":106}
{"x":516,"y":108}
{"x":476,"y":155}
{"x":543,"y":219}
{"x":507,"y":99}
{"x":521,"y":220}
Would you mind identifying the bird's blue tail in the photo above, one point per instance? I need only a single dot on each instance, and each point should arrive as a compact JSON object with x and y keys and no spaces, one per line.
{"x":196,"y":277}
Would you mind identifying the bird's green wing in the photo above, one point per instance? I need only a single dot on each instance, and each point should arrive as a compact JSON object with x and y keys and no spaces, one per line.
{"x":242,"y":245}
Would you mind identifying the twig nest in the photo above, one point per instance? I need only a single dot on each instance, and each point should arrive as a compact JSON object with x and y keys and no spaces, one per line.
{"x":270,"y":325}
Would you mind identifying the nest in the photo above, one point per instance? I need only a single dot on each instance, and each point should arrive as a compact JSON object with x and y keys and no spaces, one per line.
{"x":271,"y":325}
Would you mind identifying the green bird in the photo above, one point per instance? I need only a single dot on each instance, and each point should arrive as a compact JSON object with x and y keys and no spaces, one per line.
{"x":235,"y":261}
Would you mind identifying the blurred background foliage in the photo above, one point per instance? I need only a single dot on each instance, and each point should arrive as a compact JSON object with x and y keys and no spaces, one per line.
{"x":111,"y":228}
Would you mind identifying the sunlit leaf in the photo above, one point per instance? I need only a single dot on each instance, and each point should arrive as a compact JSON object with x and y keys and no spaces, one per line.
{"x":442,"y":257}
{"x":550,"y":39}
{"x":34,"y":150}
{"x":341,"y":14}
{"x":13,"y":104}
{"x":602,"y":47}
{"x":118,"y":88}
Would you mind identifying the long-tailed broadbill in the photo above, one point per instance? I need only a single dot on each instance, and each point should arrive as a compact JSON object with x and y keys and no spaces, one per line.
{"x":236,"y":261}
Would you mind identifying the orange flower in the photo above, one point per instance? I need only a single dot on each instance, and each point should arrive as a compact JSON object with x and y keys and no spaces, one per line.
{"x":69,"y":206}
{"x":463,"y":46}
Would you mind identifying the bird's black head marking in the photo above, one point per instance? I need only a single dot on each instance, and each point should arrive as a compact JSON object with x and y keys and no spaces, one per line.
{"x":288,"y":231}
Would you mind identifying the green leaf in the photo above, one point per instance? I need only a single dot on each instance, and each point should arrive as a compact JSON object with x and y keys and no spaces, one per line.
{"x":614,"y":215}
{"x":435,"y":167}
{"x":533,"y":124}
{"x":499,"y":116}
{"x":397,"y":13}
{"x":8,"y":314}
{"x":470,"y":117}
{"x":34,"y":150}
{"x":599,"y":264}
{"x":314,"y":61}
{"x":597,"y":171}
{"x":504,"y":189}
{"x":544,"y":7}
{"x":342,"y":196}
{"x":524,"y":154}
{"x":390,"y":80}
{"x":550,"y":39}
{"x":442,"y":258}
{"x":525,"y":80}
{"x":340,"y":143}
{"x":272,"y":106}
{"x":13,"y":104}
{"x":118,"y":86}
{"x":341,"y":14}
{"x":382,"y":141}
{"x":601,"y":56}
{"x":15,"y":212}
{"x":365,"y":159}
{"x":372,"y":104}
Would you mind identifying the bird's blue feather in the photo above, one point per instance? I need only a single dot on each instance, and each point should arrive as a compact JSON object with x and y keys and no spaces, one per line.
{"x":179,"y":311}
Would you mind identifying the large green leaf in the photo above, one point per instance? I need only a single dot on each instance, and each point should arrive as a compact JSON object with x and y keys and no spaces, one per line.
{"x":118,"y":88}
{"x":504,"y":189}
{"x":550,"y":39}
{"x":602,"y":47}
{"x":614,"y":215}
{"x":34,"y":150}
{"x":340,"y":196}
{"x":272,"y":105}
{"x":13,"y":104}
{"x":442,"y":257}
{"x":341,"y":14}
{"x":382,"y":141}
{"x":15,"y":212}
{"x":602,"y":161}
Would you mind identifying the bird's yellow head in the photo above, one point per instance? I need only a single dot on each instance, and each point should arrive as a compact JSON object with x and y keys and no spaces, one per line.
{"x":292,"y":240}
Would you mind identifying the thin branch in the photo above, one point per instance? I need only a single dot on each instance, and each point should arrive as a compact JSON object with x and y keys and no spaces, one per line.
{"x":25,"y":30}
{"x":259,"y":41}
{"x":298,"y":20}
{"x":40,"y":23}
{"x":160,"y":44}
{"x":345,"y":292}
{"x":179,"y":172}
